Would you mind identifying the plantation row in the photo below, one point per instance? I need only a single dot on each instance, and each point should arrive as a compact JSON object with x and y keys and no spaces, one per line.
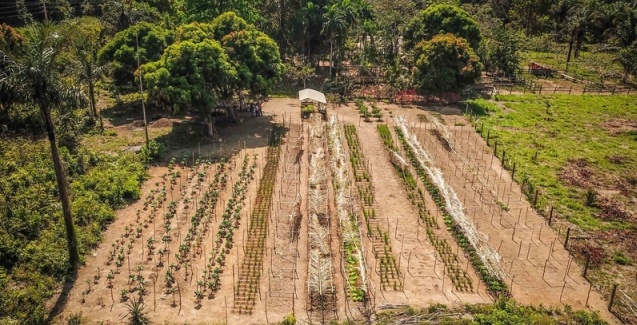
{"x":366,"y":114}
{"x":190,"y":246}
{"x":321,"y":290}
{"x":355,"y":273}
{"x":251,"y":267}
{"x":389,"y":273}
{"x":460,"y":279}
{"x":484,"y":259}
{"x":230,"y":220}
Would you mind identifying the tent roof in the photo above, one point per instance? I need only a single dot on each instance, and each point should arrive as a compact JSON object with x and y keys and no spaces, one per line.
{"x":312,"y":94}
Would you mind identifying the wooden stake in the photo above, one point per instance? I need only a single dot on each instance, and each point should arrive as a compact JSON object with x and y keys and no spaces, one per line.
{"x":568,"y":234}
{"x":612,"y":297}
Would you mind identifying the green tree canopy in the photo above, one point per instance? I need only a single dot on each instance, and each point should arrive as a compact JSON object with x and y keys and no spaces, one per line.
{"x":121,"y":51}
{"x":446,"y":63}
{"x":87,"y":36}
{"x":206,"y":10}
{"x":442,"y":19}
{"x":194,"y":32}
{"x":228,"y":22}
{"x":188,"y":76}
{"x":501,"y":53}
{"x":256,"y":58}
{"x":10,"y":40}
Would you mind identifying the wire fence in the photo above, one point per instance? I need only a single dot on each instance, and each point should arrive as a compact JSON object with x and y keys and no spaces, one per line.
{"x":621,"y":305}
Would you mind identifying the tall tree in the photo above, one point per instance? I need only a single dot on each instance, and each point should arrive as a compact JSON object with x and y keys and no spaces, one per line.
{"x":392,"y":22}
{"x":190,"y":75}
{"x":206,"y":10}
{"x":121,"y":51}
{"x":32,"y":75}
{"x":442,"y":19}
{"x":446,"y":63}
{"x":502,"y":52}
{"x":87,"y":38}
{"x":256,"y":59}
{"x":531,"y":15}
{"x":10,"y":40}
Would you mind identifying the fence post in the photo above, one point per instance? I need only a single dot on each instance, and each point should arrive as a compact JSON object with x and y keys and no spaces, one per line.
{"x":513,"y":172}
{"x":570,"y":89}
{"x":584,"y":91}
{"x":504,"y":154}
{"x":495,"y":148}
{"x":541,"y":89}
{"x":555,"y":90}
{"x":588,"y":260}
{"x":613,"y":91}
{"x":612,"y":297}
{"x":551,"y":216}
{"x":568,"y":234}
{"x":488,"y":134}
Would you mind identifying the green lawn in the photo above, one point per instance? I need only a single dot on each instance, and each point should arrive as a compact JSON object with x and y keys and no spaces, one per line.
{"x":561,"y":128}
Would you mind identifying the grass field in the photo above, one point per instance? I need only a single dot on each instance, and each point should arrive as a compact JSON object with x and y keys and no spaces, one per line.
{"x":580,"y":152}
{"x":596,"y":67}
{"x":596,"y":131}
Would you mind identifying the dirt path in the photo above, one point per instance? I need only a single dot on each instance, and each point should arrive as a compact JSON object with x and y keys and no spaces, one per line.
{"x":288,"y":233}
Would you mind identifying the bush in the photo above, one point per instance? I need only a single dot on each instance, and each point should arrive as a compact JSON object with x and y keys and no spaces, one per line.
{"x":622,"y":259}
{"x":33,"y":249}
{"x":289,"y":320}
{"x":153,"y":152}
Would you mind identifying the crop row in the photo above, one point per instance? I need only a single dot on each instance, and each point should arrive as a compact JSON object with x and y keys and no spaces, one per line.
{"x":460,"y":279}
{"x":251,"y":268}
{"x":230,"y":220}
{"x":364,"y":110}
{"x":493,"y":282}
{"x":356,"y":278}
{"x":389,"y":272}
{"x":155,"y":201}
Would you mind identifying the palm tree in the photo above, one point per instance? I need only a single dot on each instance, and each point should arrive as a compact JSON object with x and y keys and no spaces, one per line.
{"x":136,"y":314}
{"x":87,"y":40}
{"x":31,"y":74}
{"x":334,"y":27}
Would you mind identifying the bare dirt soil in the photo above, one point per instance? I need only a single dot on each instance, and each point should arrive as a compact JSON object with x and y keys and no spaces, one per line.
{"x":539,"y":268}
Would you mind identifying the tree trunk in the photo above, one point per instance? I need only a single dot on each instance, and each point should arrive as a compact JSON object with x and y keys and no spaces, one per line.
{"x":4,"y":112}
{"x":233,"y":117}
{"x":578,"y":42}
{"x":570,"y":49}
{"x":91,"y":95}
{"x":282,"y":27}
{"x":63,"y":187}
{"x":211,"y":127}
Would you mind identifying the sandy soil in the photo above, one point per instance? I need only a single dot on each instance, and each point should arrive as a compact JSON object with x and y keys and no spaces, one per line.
{"x":423,"y":271}
{"x":539,"y":268}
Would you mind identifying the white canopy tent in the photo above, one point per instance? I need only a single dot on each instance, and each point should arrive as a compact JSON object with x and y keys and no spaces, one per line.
{"x":311,"y":94}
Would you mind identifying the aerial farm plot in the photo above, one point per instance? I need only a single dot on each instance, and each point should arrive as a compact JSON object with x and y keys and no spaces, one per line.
{"x":328,"y":219}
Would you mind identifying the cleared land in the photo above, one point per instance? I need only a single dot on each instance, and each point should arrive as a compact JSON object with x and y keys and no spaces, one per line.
{"x":305,"y":246}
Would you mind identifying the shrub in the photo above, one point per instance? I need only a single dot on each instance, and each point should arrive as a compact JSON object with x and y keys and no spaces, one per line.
{"x":289,"y":320}
{"x":153,"y":152}
{"x":622,"y":259}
